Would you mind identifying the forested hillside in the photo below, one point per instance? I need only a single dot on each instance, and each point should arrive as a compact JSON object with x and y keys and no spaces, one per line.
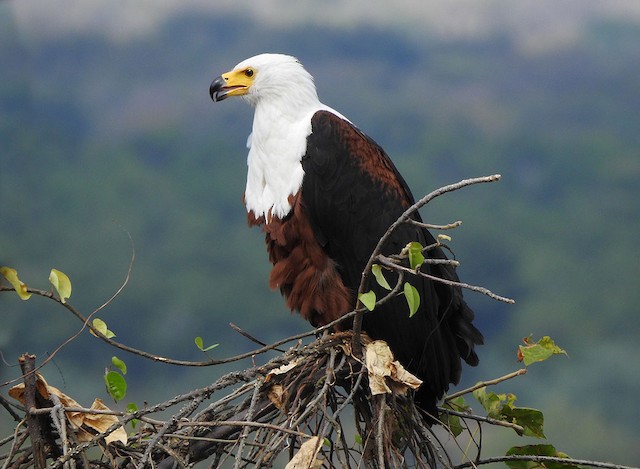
{"x":101,"y":139}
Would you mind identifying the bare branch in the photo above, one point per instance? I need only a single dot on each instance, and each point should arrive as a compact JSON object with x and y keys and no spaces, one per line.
{"x":483,"y":384}
{"x":357,"y":322}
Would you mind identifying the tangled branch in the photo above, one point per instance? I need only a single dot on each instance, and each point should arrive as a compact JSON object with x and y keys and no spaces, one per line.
{"x":312,"y":405}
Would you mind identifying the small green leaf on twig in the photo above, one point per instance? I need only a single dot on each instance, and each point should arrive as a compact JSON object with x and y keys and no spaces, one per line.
{"x":116,"y":385}
{"x":61,"y":283}
{"x":537,"y":450}
{"x":453,"y":422}
{"x":101,"y":327}
{"x":132,"y":407}
{"x":119,"y":364}
{"x":12,"y":277}
{"x":376,"y":270}
{"x":413,"y":298}
{"x":501,"y":407}
{"x":414,"y":251}
{"x":368,"y":299}
{"x":532,"y":352}
{"x":200,"y":344}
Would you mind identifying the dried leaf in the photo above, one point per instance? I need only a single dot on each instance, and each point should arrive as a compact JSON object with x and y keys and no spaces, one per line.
{"x":402,"y":379}
{"x":45,"y":390}
{"x":306,"y":458}
{"x":277,"y":395}
{"x":284,"y":368}
{"x":12,"y":277}
{"x":378,"y":358}
{"x":101,"y":422}
{"x":385,"y":374}
{"x":61,"y":283}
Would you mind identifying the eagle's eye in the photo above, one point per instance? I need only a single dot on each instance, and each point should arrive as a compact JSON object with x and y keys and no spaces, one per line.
{"x":248,"y":72}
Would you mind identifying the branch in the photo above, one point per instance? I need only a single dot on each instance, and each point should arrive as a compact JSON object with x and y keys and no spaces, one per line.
{"x":483,"y":384}
{"x":543,"y":459}
{"x":501,"y":423}
{"x":357,"y":322}
{"x":36,"y":432}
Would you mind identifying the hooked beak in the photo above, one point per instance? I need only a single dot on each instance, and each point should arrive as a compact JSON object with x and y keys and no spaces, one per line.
{"x":219,"y":89}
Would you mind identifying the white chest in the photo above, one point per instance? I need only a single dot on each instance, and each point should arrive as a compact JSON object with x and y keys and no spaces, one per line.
{"x":275,"y":165}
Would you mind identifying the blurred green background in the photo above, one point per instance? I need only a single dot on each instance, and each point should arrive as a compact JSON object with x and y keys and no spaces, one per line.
{"x":106,"y":127}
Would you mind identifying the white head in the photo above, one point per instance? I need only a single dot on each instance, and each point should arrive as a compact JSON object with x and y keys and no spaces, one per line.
{"x":285,"y":99}
{"x":267,"y":78}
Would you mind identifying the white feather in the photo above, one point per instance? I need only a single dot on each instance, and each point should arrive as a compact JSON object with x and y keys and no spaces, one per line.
{"x":285,"y":100}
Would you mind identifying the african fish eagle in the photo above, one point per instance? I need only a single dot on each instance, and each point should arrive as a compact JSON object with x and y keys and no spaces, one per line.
{"x":324,"y":193}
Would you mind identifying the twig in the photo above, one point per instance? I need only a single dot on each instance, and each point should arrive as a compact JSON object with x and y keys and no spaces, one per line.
{"x":245,"y":429}
{"x":59,"y":419}
{"x":357,"y":322}
{"x":246,"y":423}
{"x":27,"y":365}
{"x":483,"y":384}
{"x":244,"y":333}
{"x":485,"y":291}
{"x":7,"y":405}
{"x":18,"y":440}
{"x":543,"y":459}
{"x":429,"y":226}
{"x":502,"y":423}
{"x":380,"y":431}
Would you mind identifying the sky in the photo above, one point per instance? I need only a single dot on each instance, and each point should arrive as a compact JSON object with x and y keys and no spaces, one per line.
{"x":536,"y":23}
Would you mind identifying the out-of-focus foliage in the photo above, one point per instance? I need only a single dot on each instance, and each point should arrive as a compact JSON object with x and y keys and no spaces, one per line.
{"x":99,"y":139}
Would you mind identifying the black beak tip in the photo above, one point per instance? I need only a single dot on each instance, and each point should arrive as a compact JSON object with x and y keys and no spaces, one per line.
{"x":215,"y":88}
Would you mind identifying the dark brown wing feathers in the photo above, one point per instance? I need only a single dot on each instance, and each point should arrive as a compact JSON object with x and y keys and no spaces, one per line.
{"x":351,"y":193}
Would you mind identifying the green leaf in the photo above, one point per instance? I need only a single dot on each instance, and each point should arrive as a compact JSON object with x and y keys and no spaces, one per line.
{"x":413,"y":298}
{"x":358,"y":439}
{"x":376,"y":270}
{"x":61,"y":283}
{"x":452,"y":422}
{"x":532,"y":352}
{"x":532,"y":420}
{"x":101,"y":327}
{"x":416,"y":258}
{"x":368,"y":300}
{"x":200,"y":344}
{"x":116,"y":385}
{"x":500,"y":407}
{"x":119,"y":364}
{"x":490,"y":401}
{"x":457,"y":404}
{"x":131,"y":408}
{"x":12,"y":276}
{"x":537,"y":450}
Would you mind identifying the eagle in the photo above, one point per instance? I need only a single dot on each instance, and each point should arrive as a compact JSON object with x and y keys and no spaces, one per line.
{"x":324,"y":193}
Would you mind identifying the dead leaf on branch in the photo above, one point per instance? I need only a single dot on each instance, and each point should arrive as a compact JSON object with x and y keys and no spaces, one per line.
{"x":385,"y":374}
{"x":277,"y":394}
{"x":306,"y":458}
{"x":81,"y":422}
